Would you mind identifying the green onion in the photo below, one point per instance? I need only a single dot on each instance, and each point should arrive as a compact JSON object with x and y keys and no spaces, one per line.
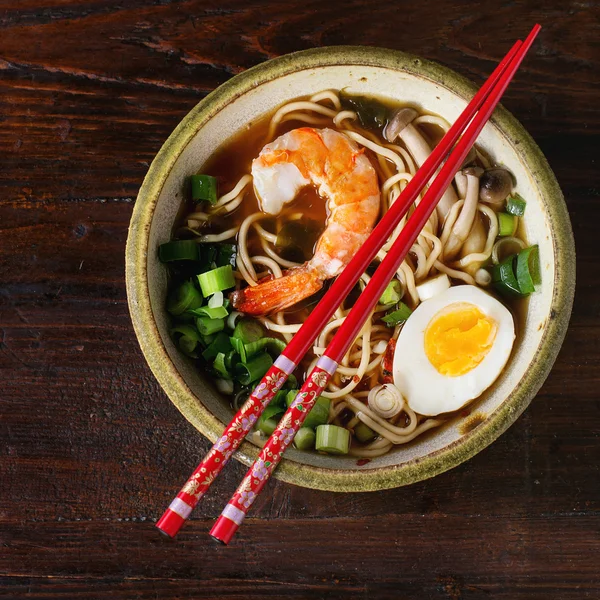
{"x":188,"y":339}
{"x":279,"y":399}
{"x":397,"y":316}
{"x":216,"y":300}
{"x":238,"y":346}
{"x":273,"y":346}
{"x":248,"y":331}
{"x":232,"y":358}
{"x":218,"y":312}
{"x":178,"y":250}
{"x":305,"y":439}
{"x":216,"y":280}
{"x":363,"y":433}
{"x":332,"y":439}
{"x":528,"y":269}
{"x":221,"y":343}
{"x":220,"y":367}
{"x":507,"y":224}
{"x":291,"y":382}
{"x":226,"y":255}
{"x":392,"y":293}
{"x":504,"y":280}
{"x":319,"y":413}
{"x":267,"y":422}
{"x":204,"y":187}
{"x":515,"y":205}
{"x":208,"y":326}
{"x":254,"y":369}
{"x":185,"y":297}
{"x":207,"y":340}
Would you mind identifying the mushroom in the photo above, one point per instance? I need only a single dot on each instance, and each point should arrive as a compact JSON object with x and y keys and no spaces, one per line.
{"x":400,"y":125}
{"x":464,"y":222}
{"x":495,"y":185}
{"x":474,"y":244}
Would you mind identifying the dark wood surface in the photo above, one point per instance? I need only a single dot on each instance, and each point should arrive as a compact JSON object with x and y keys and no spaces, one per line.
{"x":91,"y":450}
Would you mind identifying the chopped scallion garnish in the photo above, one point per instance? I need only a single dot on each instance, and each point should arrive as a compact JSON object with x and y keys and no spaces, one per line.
{"x":515,"y":205}
{"x":392,"y":293}
{"x":216,"y":280}
{"x":221,"y":343}
{"x":178,"y":250}
{"x":184,"y":297}
{"x":397,"y":316}
{"x":528,"y":269}
{"x":254,"y":369}
{"x":507,"y":224}
{"x":204,"y":187}
{"x":332,"y":439}
{"x":248,"y":331}
{"x":208,"y":326}
{"x":305,"y":439}
{"x":273,"y":346}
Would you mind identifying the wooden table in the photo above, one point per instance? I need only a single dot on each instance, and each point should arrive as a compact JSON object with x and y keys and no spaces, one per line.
{"x":92,"y":450}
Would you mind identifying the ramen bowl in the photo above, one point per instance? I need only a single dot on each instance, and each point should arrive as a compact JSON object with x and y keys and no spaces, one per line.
{"x":245,"y":99}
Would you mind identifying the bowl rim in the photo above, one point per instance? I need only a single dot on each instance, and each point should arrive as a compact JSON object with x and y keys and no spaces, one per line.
{"x":384,"y":477}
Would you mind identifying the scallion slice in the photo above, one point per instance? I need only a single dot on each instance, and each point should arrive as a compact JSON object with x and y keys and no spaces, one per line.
{"x":291,"y":383}
{"x":254,"y":369}
{"x":248,"y":331}
{"x":267,"y":422}
{"x":221,"y":343}
{"x":178,"y":250}
{"x":515,"y":205}
{"x":504,"y":280}
{"x":220,"y":367}
{"x":184,"y":297}
{"x":204,"y":187}
{"x":216,"y":300}
{"x":216,"y":280}
{"x":528,"y":269}
{"x":218,"y":312}
{"x":319,"y":413}
{"x":238,"y":346}
{"x":507,"y":224}
{"x":392,"y":293}
{"x":273,"y":346}
{"x":188,"y":339}
{"x":305,"y":439}
{"x":208,"y":326}
{"x":397,"y":316}
{"x":332,"y":439}
{"x":364,"y":433}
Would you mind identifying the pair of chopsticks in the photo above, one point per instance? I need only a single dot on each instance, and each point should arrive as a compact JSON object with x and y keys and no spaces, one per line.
{"x":477,"y":113}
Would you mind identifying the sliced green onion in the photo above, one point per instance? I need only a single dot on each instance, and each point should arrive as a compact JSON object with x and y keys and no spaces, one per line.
{"x":528,"y":269}
{"x":305,"y":439}
{"x":232,"y":318}
{"x":226,"y":255}
{"x":220,"y":367}
{"x":238,"y":346}
{"x":273,"y":346}
{"x":232,"y":358}
{"x":178,"y":250}
{"x":208,"y":326}
{"x":290,"y":396}
{"x":392,"y":293}
{"x":204,"y":187}
{"x":218,"y":312}
{"x":504,"y":280}
{"x":184,"y":297}
{"x":216,"y":280}
{"x":267,"y":422}
{"x":254,"y":369}
{"x":207,"y":340}
{"x":248,"y":331}
{"x":221,"y":343}
{"x":279,"y":399}
{"x":225,"y":386}
{"x":515,"y":205}
{"x":507,"y":224}
{"x":363,"y":433}
{"x":188,"y":339}
{"x":319,"y":413}
{"x":332,"y":439}
{"x":291,"y":382}
{"x":216,"y":300}
{"x":400,"y":315}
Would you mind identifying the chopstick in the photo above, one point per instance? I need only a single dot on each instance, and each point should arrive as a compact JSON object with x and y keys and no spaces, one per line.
{"x":206,"y":472}
{"x":269,"y":457}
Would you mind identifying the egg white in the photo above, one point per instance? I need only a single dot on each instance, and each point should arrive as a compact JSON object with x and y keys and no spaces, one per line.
{"x":426,"y":390}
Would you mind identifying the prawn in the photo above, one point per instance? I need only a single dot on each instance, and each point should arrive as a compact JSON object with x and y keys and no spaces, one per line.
{"x":345,"y":177}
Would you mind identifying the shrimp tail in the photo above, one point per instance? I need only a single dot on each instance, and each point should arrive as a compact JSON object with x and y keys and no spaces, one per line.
{"x":272,"y":295}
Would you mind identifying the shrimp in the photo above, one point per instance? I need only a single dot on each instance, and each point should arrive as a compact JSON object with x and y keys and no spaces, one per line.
{"x":345,"y":177}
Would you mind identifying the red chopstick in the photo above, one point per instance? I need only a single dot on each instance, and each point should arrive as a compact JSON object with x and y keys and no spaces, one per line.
{"x":257,"y":476}
{"x":206,"y":472}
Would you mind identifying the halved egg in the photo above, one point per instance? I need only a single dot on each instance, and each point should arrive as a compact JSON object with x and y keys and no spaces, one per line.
{"x":451,"y":349}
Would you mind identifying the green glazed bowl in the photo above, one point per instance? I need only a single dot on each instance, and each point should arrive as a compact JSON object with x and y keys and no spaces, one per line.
{"x":243,"y":100}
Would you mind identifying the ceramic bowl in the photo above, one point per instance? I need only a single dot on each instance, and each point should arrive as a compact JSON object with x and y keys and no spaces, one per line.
{"x":243,"y":100}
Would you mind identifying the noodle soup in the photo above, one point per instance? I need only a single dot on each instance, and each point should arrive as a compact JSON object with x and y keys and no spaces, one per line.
{"x":280,"y":210}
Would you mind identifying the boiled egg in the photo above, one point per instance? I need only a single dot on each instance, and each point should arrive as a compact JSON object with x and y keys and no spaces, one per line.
{"x":451,"y":349}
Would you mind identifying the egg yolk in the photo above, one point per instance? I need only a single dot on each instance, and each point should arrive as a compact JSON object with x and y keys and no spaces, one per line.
{"x":458,"y":338}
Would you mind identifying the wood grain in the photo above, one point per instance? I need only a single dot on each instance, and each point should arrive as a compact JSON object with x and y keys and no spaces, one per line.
{"x":91,"y":450}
